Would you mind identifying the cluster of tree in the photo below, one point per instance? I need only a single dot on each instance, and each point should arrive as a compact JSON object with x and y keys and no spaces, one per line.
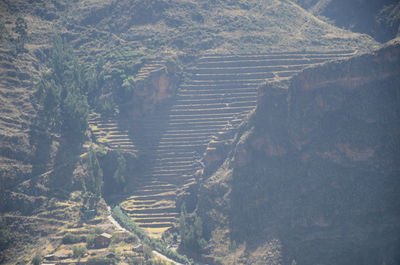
{"x":191,"y":232}
{"x":62,"y":92}
{"x":118,"y":176}
{"x":130,"y":225}
{"x":20,"y":29}
{"x":95,"y":182}
{"x":64,"y":95}
{"x":4,"y":235}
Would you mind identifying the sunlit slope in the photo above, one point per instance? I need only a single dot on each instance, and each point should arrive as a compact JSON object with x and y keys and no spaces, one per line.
{"x":210,"y":26}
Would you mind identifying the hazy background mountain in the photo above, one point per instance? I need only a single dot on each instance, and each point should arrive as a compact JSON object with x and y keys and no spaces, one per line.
{"x":379,"y":19}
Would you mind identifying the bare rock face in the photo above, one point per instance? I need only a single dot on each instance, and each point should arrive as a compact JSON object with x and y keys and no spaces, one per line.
{"x":316,"y":167}
{"x":157,"y":86}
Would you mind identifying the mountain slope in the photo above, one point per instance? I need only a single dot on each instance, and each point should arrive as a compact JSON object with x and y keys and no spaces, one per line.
{"x":379,"y":19}
{"x":315,"y":168}
{"x":120,"y":38}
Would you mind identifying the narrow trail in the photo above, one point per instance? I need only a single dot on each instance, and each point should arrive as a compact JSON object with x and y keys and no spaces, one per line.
{"x":119,"y":227}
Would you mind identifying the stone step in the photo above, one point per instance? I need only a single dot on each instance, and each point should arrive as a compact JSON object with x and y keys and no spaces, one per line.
{"x":199,"y":126}
{"x":236,"y":84}
{"x":119,"y":137}
{"x":188,"y":137}
{"x":122,"y":145}
{"x":155,"y":215}
{"x":167,"y":166}
{"x":225,"y":98}
{"x":248,"y":93}
{"x":180,"y":141}
{"x":215,"y":87}
{"x":173,"y":161}
{"x":172,"y":166}
{"x":180,"y":154}
{"x":155,"y":225}
{"x":159,"y":186}
{"x":198,"y":116}
{"x":183,"y":137}
{"x":231,"y":76}
{"x":121,"y":142}
{"x":195,"y":125}
{"x":150,"y":192}
{"x":222,"y":109}
{"x":261,"y":62}
{"x":172,"y":170}
{"x":171,"y":174}
{"x":179,"y":181}
{"x":148,"y":219}
{"x":218,"y":93}
{"x":286,"y":55}
{"x":210,"y":121}
{"x":129,"y":204}
{"x":134,"y":205}
{"x":203,"y":124}
{"x":226,"y":82}
{"x":242,"y":70}
{"x":154,"y":197}
{"x":287,"y":74}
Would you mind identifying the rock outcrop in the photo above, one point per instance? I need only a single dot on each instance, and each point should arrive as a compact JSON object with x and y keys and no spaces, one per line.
{"x":316,"y":166}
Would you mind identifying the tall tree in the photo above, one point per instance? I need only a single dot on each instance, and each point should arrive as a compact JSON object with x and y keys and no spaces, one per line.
{"x":21,"y":28}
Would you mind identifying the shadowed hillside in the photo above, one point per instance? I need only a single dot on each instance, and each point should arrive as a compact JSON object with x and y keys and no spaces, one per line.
{"x":315,"y":168}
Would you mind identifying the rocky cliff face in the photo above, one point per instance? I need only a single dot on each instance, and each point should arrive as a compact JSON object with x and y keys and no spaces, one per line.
{"x":315,"y":168}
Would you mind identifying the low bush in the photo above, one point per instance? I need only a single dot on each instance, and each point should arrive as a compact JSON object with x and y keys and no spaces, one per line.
{"x":90,"y":241}
{"x":101,"y":261}
{"x":79,"y":251}
{"x":37,"y":259}
{"x":72,"y":239}
{"x":128,"y":223}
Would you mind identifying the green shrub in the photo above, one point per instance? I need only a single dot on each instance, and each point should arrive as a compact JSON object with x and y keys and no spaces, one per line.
{"x":62,"y":93}
{"x":90,"y":241}
{"x":37,"y":259}
{"x":218,"y":260}
{"x":131,"y":239}
{"x":130,"y":225}
{"x":72,"y":239}
{"x":101,"y":260}
{"x":5,"y":238}
{"x":21,"y":30}
{"x":79,"y":251}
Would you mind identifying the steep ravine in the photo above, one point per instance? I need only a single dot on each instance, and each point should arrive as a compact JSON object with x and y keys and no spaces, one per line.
{"x":313,"y":175}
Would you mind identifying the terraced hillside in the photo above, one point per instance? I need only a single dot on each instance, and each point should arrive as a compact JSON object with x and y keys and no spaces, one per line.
{"x":108,"y":133}
{"x":17,"y":113}
{"x":218,"y":92}
{"x":150,"y":66}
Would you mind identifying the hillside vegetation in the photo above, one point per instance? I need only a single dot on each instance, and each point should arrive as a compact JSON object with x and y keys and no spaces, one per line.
{"x":94,"y":91}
